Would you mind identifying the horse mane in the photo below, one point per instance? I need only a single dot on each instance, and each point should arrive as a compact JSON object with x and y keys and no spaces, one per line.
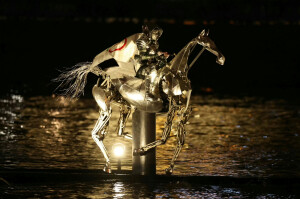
{"x":179,"y":63}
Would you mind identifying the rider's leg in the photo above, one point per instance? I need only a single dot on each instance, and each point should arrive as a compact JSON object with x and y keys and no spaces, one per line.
{"x":99,"y":131}
{"x":124,"y":114}
{"x":180,"y":137}
{"x":165,"y":134}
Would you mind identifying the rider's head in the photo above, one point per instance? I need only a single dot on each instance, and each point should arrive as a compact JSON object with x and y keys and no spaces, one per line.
{"x":145,"y":30}
{"x":156,"y":33}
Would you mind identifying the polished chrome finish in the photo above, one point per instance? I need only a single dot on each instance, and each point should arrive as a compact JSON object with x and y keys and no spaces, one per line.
{"x":101,"y":98}
{"x":125,"y":111}
{"x":210,"y":45}
{"x":143,"y":133}
{"x":134,"y":92}
{"x":165,"y":134}
{"x":143,"y":80}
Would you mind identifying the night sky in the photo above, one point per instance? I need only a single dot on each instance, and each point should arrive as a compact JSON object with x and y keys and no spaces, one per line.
{"x":259,"y":40}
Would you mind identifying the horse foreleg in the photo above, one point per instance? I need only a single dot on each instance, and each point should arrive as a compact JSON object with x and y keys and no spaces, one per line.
{"x":124,"y":114}
{"x":165,"y":134}
{"x":181,"y":133}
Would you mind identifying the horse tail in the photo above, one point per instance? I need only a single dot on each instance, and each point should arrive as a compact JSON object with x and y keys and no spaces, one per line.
{"x":73,"y":80}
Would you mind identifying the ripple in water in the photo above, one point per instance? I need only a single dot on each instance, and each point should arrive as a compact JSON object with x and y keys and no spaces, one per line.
{"x":225,"y":137}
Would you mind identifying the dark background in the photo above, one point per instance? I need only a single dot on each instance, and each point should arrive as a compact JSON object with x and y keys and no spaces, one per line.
{"x":259,"y":40}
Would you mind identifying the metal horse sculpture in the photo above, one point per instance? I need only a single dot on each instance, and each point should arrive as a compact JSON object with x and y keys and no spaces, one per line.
{"x":167,"y":88}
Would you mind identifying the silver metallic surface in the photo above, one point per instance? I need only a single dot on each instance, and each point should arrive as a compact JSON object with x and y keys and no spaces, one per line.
{"x":143,"y":133}
{"x":125,"y":111}
{"x":133,"y":90}
{"x":140,"y":80}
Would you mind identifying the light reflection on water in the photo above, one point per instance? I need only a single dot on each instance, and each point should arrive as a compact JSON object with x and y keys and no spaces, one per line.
{"x":230,"y":136}
{"x":113,"y":189}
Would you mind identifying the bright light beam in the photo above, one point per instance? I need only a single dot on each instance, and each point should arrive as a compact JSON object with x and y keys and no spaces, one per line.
{"x":119,"y":150}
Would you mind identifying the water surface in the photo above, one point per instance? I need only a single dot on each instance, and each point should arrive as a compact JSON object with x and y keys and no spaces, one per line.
{"x":120,"y":189}
{"x":247,"y":136}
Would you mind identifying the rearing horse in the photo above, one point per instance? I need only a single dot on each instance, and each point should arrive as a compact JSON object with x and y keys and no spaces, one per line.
{"x":169,"y":87}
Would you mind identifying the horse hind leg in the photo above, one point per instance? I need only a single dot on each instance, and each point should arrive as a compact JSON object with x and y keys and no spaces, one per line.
{"x":125,"y":111}
{"x":99,"y":132}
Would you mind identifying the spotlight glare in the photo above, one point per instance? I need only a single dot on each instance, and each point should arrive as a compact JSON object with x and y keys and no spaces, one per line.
{"x":119,"y":150}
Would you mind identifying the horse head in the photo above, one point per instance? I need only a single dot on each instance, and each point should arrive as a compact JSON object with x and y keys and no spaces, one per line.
{"x":210,"y":45}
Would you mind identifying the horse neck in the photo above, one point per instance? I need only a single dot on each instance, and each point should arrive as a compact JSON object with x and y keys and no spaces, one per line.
{"x":179,"y":63}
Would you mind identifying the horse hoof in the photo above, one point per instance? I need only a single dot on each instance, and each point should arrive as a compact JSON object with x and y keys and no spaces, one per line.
{"x":142,"y":152}
{"x":137,"y":152}
{"x":107,"y":169}
{"x":169,"y":171}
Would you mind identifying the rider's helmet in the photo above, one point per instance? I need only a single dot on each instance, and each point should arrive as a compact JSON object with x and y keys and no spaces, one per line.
{"x":156,"y":33}
{"x":149,"y":41}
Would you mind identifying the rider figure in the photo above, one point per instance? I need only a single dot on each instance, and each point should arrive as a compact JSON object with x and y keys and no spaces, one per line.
{"x":149,"y":57}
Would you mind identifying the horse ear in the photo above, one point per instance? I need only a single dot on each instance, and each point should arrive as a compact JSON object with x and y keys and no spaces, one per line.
{"x":202,"y":33}
{"x":145,"y":29}
{"x":207,"y":32}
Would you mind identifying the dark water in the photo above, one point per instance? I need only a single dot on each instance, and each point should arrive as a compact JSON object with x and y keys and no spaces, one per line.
{"x":119,"y":189}
{"x":247,"y":136}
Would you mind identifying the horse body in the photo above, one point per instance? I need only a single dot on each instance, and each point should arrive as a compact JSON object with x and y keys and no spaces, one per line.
{"x":169,"y":87}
